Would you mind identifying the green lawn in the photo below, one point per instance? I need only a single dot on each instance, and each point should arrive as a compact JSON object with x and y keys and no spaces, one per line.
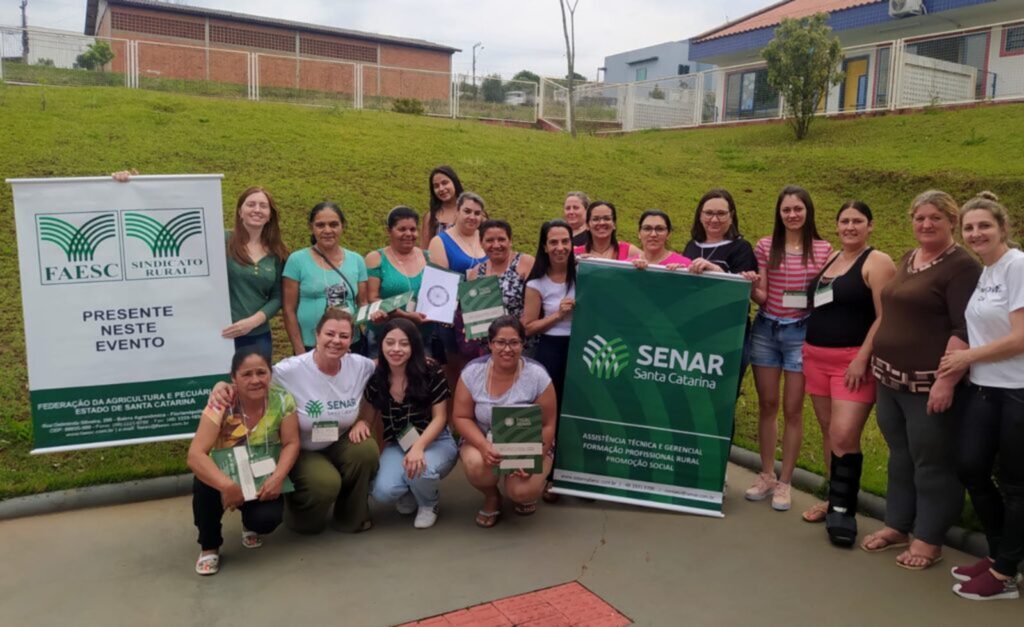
{"x":369,"y":161}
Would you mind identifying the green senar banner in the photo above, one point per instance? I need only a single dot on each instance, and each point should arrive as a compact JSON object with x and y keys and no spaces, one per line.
{"x":650,"y":389}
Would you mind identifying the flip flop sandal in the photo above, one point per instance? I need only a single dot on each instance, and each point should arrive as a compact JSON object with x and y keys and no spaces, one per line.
{"x":816,"y":513}
{"x":208,"y":564}
{"x":487,"y":519}
{"x":526,"y":509}
{"x":251,"y":539}
{"x":928,"y":562}
{"x":885,"y":546}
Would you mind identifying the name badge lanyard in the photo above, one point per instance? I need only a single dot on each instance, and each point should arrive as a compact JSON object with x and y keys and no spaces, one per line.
{"x":248,"y":433}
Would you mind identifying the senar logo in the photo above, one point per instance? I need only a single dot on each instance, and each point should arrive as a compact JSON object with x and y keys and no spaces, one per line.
{"x":72,"y":248}
{"x":163,"y":240}
{"x":164,"y":244}
{"x":605,"y":359}
{"x":314,"y":408}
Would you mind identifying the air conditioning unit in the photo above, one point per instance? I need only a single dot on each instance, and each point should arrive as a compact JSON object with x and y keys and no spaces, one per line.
{"x":906,"y":8}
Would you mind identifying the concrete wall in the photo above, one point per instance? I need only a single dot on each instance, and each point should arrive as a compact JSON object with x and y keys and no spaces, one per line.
{"x":622,"y":67}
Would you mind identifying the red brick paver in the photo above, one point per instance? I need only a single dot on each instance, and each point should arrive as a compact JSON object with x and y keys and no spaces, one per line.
{"x":567,"y":605}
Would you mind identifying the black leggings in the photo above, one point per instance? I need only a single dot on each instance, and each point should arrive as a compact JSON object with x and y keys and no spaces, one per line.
{"x":207,"y":510}
{"x":553,"y":354}
{"x":992,"y":428}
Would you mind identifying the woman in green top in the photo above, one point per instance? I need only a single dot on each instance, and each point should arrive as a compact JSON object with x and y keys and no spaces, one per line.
{"x":261,"y":419}
{"x":321,"y":276}
{"x":255,"y":260}
{"x":396,"y":269}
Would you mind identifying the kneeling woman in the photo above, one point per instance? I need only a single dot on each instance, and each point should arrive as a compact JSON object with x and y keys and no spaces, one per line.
{"x":411,"y":397}
{"x":503,"y":378}
{"x":260,"y":418}
{"x":339,"y":456}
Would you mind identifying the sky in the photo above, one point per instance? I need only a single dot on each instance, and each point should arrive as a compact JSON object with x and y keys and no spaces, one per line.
{"x":515,"y":34}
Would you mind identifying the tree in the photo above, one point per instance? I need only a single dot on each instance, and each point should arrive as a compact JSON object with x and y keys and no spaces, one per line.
{"x":569,"y":30}
{"x":576,"y":76}
{"x":98,"y":55}
{"x":803,"y":62}
{"x":527,"y":77}
{"x":492,"y":89}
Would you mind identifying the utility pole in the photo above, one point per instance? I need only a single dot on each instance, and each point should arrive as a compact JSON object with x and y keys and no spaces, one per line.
{"x":475,"y":46}
{"x":24,"y":33}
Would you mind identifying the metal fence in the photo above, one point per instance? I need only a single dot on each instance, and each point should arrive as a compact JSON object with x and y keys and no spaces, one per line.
{"x":48,"y":57}
{"x":491,"y":97}
{"x":949,"y":68}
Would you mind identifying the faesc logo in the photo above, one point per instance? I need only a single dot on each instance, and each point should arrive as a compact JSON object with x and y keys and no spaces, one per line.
{"x":77,"y":248}
{"x":314,"y":408}
{"x":605,"y":359}
{"x":162,"y":244}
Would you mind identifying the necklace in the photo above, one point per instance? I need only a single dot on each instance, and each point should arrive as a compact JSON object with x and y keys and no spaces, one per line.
{"x":603,"y":251}
{"x":470,"y":248}
{"x":490,"y":372}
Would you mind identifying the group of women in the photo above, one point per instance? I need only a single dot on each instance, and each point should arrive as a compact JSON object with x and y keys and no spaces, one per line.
{"x":846,"y":325}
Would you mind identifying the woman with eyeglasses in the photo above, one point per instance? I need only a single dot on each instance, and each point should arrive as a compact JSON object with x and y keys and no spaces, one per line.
{"x":503,"y":378}
{"x":601,"y":241}
{"x":655,"y":229}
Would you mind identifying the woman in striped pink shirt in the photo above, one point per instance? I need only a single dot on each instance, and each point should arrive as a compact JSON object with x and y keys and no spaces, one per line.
{"x":788,"y":260}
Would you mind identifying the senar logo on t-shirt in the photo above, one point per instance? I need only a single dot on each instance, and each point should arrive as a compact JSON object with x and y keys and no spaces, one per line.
{"x":314,"y":408}
{"x":345,"y":404}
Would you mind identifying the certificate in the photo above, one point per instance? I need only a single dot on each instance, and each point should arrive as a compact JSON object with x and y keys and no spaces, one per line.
{"x":244,"y":470}
{"x":387,"y":305}
{"x":481,"y":304}
{"x":438,"y":295}
{"x":516,"y":435}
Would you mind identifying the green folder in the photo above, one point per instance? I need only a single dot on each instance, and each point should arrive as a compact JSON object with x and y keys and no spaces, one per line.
{"x":234,"y":462}
{"x":516,"y":435}
{"x":481,"y":305}
{"x":387,"y":305}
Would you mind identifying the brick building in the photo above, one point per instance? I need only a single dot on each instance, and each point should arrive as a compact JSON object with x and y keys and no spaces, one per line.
{"x":173,"y":41}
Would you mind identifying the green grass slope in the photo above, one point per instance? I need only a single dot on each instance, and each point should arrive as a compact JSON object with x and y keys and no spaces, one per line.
{"x":371,"y":161}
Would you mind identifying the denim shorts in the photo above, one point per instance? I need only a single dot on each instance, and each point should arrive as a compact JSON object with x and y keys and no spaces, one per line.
{"x":776,"y":344}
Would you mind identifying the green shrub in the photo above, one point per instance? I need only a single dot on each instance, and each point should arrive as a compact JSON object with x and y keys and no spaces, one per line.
{"x":407,"y":105}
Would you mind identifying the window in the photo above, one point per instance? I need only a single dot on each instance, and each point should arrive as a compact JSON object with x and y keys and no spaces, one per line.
{"x":641,"y":74}
{"x":683,"y":69}
{"x":151,"y":25}
{"x":338,"y":50}
{"x":748,"y":95}
{"x":1013,"y":40}
{"x":882,"y":77}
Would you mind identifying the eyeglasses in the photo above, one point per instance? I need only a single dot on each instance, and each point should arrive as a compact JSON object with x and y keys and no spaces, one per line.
{"x":660,"y":230}
{"x":713,"y":215}
{"x":503,"y":344}
{"x":602,"y":219}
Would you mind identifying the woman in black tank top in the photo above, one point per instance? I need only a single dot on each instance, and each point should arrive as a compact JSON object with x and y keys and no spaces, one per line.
{"x":845,"y":298}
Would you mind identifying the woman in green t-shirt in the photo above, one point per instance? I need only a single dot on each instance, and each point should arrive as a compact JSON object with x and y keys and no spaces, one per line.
{"x":255,"y":260}
{"x":321,"y":276}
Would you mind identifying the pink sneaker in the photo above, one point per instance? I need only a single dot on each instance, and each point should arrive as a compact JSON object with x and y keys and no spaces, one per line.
{"x":781,"y":499}
{"x":966,"y":573}
{"x":986,"y":587}
{"x":763,"y":486}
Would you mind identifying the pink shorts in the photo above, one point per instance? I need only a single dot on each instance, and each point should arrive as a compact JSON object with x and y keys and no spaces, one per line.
{"x":825,"y":372}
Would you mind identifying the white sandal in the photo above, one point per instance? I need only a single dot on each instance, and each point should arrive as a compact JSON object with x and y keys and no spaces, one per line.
{"x":208,"y":563}
{"x":251,"y":539}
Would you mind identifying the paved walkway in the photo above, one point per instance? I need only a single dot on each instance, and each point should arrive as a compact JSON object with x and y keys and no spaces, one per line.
{"x":132,"y":565}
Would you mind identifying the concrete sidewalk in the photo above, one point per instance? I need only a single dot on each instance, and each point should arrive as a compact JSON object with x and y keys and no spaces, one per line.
{"x":132,"y":565}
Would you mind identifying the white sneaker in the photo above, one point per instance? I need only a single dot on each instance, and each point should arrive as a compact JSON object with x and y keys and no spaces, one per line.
{"x":406,"y":504}
{"x":425,"y":517}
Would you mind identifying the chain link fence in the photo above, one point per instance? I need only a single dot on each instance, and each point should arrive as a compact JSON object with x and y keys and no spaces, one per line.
{"x":493,"y":98}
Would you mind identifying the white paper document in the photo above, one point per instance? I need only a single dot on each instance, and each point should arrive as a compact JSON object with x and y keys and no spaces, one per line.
{"x":439,"y":294}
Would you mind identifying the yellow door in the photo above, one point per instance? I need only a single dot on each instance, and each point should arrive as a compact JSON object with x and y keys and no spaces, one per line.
{"x":855,"y":87}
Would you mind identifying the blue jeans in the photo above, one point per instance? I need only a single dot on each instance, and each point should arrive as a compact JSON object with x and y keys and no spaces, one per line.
{"x":775,"y":344}
{"x":392,"y":483}
{"x":260,"y":340}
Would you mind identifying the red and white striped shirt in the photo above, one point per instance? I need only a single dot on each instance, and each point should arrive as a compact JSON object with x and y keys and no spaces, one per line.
{"x":790,"y":276}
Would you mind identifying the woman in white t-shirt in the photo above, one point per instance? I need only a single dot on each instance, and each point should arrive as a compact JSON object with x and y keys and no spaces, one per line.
{"x":339,"y":455}
{"x":992,"y":427}
{"x":501,"y":379}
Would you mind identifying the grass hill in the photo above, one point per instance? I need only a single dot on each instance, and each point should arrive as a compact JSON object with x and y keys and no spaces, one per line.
{"x":370,"y":161}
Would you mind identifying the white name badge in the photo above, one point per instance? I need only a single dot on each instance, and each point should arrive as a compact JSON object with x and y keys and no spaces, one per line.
{"x":408,"y":437}
{"x":823,"y":296}
{"x":794,"y":300}
{"x":262,"y":467}
{"x":325,"y":431}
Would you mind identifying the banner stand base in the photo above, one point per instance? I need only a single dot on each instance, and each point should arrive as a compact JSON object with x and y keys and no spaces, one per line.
{"x":638,"y":502}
